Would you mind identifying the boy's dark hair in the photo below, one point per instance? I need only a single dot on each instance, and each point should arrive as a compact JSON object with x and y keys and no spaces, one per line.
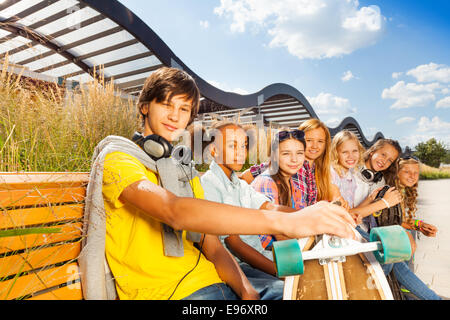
{"x":165,"y":83}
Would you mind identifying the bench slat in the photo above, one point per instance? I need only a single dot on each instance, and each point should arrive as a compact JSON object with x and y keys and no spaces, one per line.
{"x":37,"y":216}
{"x":72,"y":292}
{"x":38,"y":196}
{"x":22,"y":286}
{"x":36,"y":259}
{"x":21,"y":181}
{"x":68,"y":232}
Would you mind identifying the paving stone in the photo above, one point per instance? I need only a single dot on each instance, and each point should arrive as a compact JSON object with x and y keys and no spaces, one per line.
{"x":432,"y":258}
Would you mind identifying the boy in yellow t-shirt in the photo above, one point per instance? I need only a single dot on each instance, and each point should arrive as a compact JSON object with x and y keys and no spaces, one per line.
{"x":135,"y":207}
{"x":134,"y":245}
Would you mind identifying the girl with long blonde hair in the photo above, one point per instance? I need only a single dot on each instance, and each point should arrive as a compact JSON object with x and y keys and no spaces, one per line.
{"x":315,"y":176}
{"x":346,"y":156}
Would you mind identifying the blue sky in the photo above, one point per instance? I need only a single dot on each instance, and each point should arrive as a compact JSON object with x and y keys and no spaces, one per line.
{"x":385,"y":63}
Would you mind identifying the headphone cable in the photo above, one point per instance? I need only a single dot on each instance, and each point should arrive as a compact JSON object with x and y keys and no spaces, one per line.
{"x":201,"y":244}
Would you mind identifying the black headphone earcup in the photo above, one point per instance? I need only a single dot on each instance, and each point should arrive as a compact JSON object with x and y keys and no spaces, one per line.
{"x":138,"y":138}
{"x":367,"y":174}
{"x":378,"y":176}
{"x":370,"y":176}
{"x":154,"y":146}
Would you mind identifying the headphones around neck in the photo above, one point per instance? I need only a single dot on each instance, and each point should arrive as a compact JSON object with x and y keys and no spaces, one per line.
{"x":156,"y":147}
{"x":370,"y":176}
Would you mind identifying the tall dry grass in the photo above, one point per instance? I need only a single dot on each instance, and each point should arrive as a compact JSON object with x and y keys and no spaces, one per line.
{"x":430,"y":173}
{"x":49,"y":130}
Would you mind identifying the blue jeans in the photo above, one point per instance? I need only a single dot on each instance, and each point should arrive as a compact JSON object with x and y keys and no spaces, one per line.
{"x":217,"y":291}
{"x":268,"y":286}
{"x":406,"y":277}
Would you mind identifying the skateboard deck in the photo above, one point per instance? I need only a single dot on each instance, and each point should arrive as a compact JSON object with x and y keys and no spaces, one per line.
{"x":356,"y":277}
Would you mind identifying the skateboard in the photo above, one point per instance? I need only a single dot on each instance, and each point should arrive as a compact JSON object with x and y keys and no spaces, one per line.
{"x":331,"y":268}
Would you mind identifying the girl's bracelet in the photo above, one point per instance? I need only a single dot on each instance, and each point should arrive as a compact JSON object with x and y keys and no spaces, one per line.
{"x":387,"y":203}
{"x":377,"y":214}
{"x":418,"y":224}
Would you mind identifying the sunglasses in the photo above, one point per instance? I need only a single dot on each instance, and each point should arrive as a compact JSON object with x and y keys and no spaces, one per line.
{"x":296,"y":134}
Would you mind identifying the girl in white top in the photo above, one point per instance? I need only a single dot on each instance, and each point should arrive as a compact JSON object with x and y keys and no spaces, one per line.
{"x":347,"y":162}
{"x":378,"y":170}
{"x":358,"y":187}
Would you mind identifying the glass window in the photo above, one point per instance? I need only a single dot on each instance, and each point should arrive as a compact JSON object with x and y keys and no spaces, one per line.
{"x":17,"y":8}
{"x":72,"y":20}
{"x":13,"y":43}
{"x":132,"y":65}
{"x":29,"y":53}
{"x":117,"y":54}
{"x":47,"y":61}
{"x":48,"y":11}
{"x":86,"y":32}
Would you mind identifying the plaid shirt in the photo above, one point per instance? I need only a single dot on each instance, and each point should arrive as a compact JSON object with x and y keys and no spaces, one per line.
{"x":305,"y":180}
{"x":267,"y":186}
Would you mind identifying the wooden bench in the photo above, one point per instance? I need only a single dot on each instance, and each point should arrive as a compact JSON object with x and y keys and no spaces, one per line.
{"x":40,"y":235}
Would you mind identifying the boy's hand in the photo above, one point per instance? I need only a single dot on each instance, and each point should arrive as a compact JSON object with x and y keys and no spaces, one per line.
{"x":321,"y":218}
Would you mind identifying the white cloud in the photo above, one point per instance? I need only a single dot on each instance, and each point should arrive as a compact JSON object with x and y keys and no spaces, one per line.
{"x":443,"y":103}
{"x":410,"y":95}
{"x":227,"y":88}
{"x":434,"y":128}
{"x":331,"y":109}
{"x":204,"y":24}
{"x":413,"y":139}
{"x":431,"y":72}
{"x":397,"y":75}
{"x":333,"y":122}
{"x":405,"y":120}
{"x":347,"y":76}
{"x":435,"y":125}
{"x":313,"y":29}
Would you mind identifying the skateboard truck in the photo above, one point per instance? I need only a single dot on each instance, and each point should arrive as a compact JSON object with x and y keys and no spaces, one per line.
{"x":333,"y":242}
{"x":329,"y":241}
{"x":389,"y":245}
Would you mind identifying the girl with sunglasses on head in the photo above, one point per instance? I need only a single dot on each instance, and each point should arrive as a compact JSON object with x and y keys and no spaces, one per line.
{"x":314,"y":178}
{"x":287,"y":155}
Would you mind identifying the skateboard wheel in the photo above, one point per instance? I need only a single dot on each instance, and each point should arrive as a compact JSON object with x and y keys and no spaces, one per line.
{"x":287,"y":256}
{"x":395,"y":243}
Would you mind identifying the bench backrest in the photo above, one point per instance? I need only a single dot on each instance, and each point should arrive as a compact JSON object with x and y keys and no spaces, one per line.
{"x":40,"y":235}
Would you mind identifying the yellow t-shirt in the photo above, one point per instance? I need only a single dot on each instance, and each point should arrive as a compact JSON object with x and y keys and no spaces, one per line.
{"x":134,"y":246}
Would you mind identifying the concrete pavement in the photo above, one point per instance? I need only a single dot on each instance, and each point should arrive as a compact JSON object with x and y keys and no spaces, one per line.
{"x":432,"y":258}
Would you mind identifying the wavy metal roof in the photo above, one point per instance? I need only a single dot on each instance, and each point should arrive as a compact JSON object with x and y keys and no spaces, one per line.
{"x":69,"y":39}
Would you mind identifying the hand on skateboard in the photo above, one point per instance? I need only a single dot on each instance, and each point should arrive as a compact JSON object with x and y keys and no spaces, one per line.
{"x":388,"y":244}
